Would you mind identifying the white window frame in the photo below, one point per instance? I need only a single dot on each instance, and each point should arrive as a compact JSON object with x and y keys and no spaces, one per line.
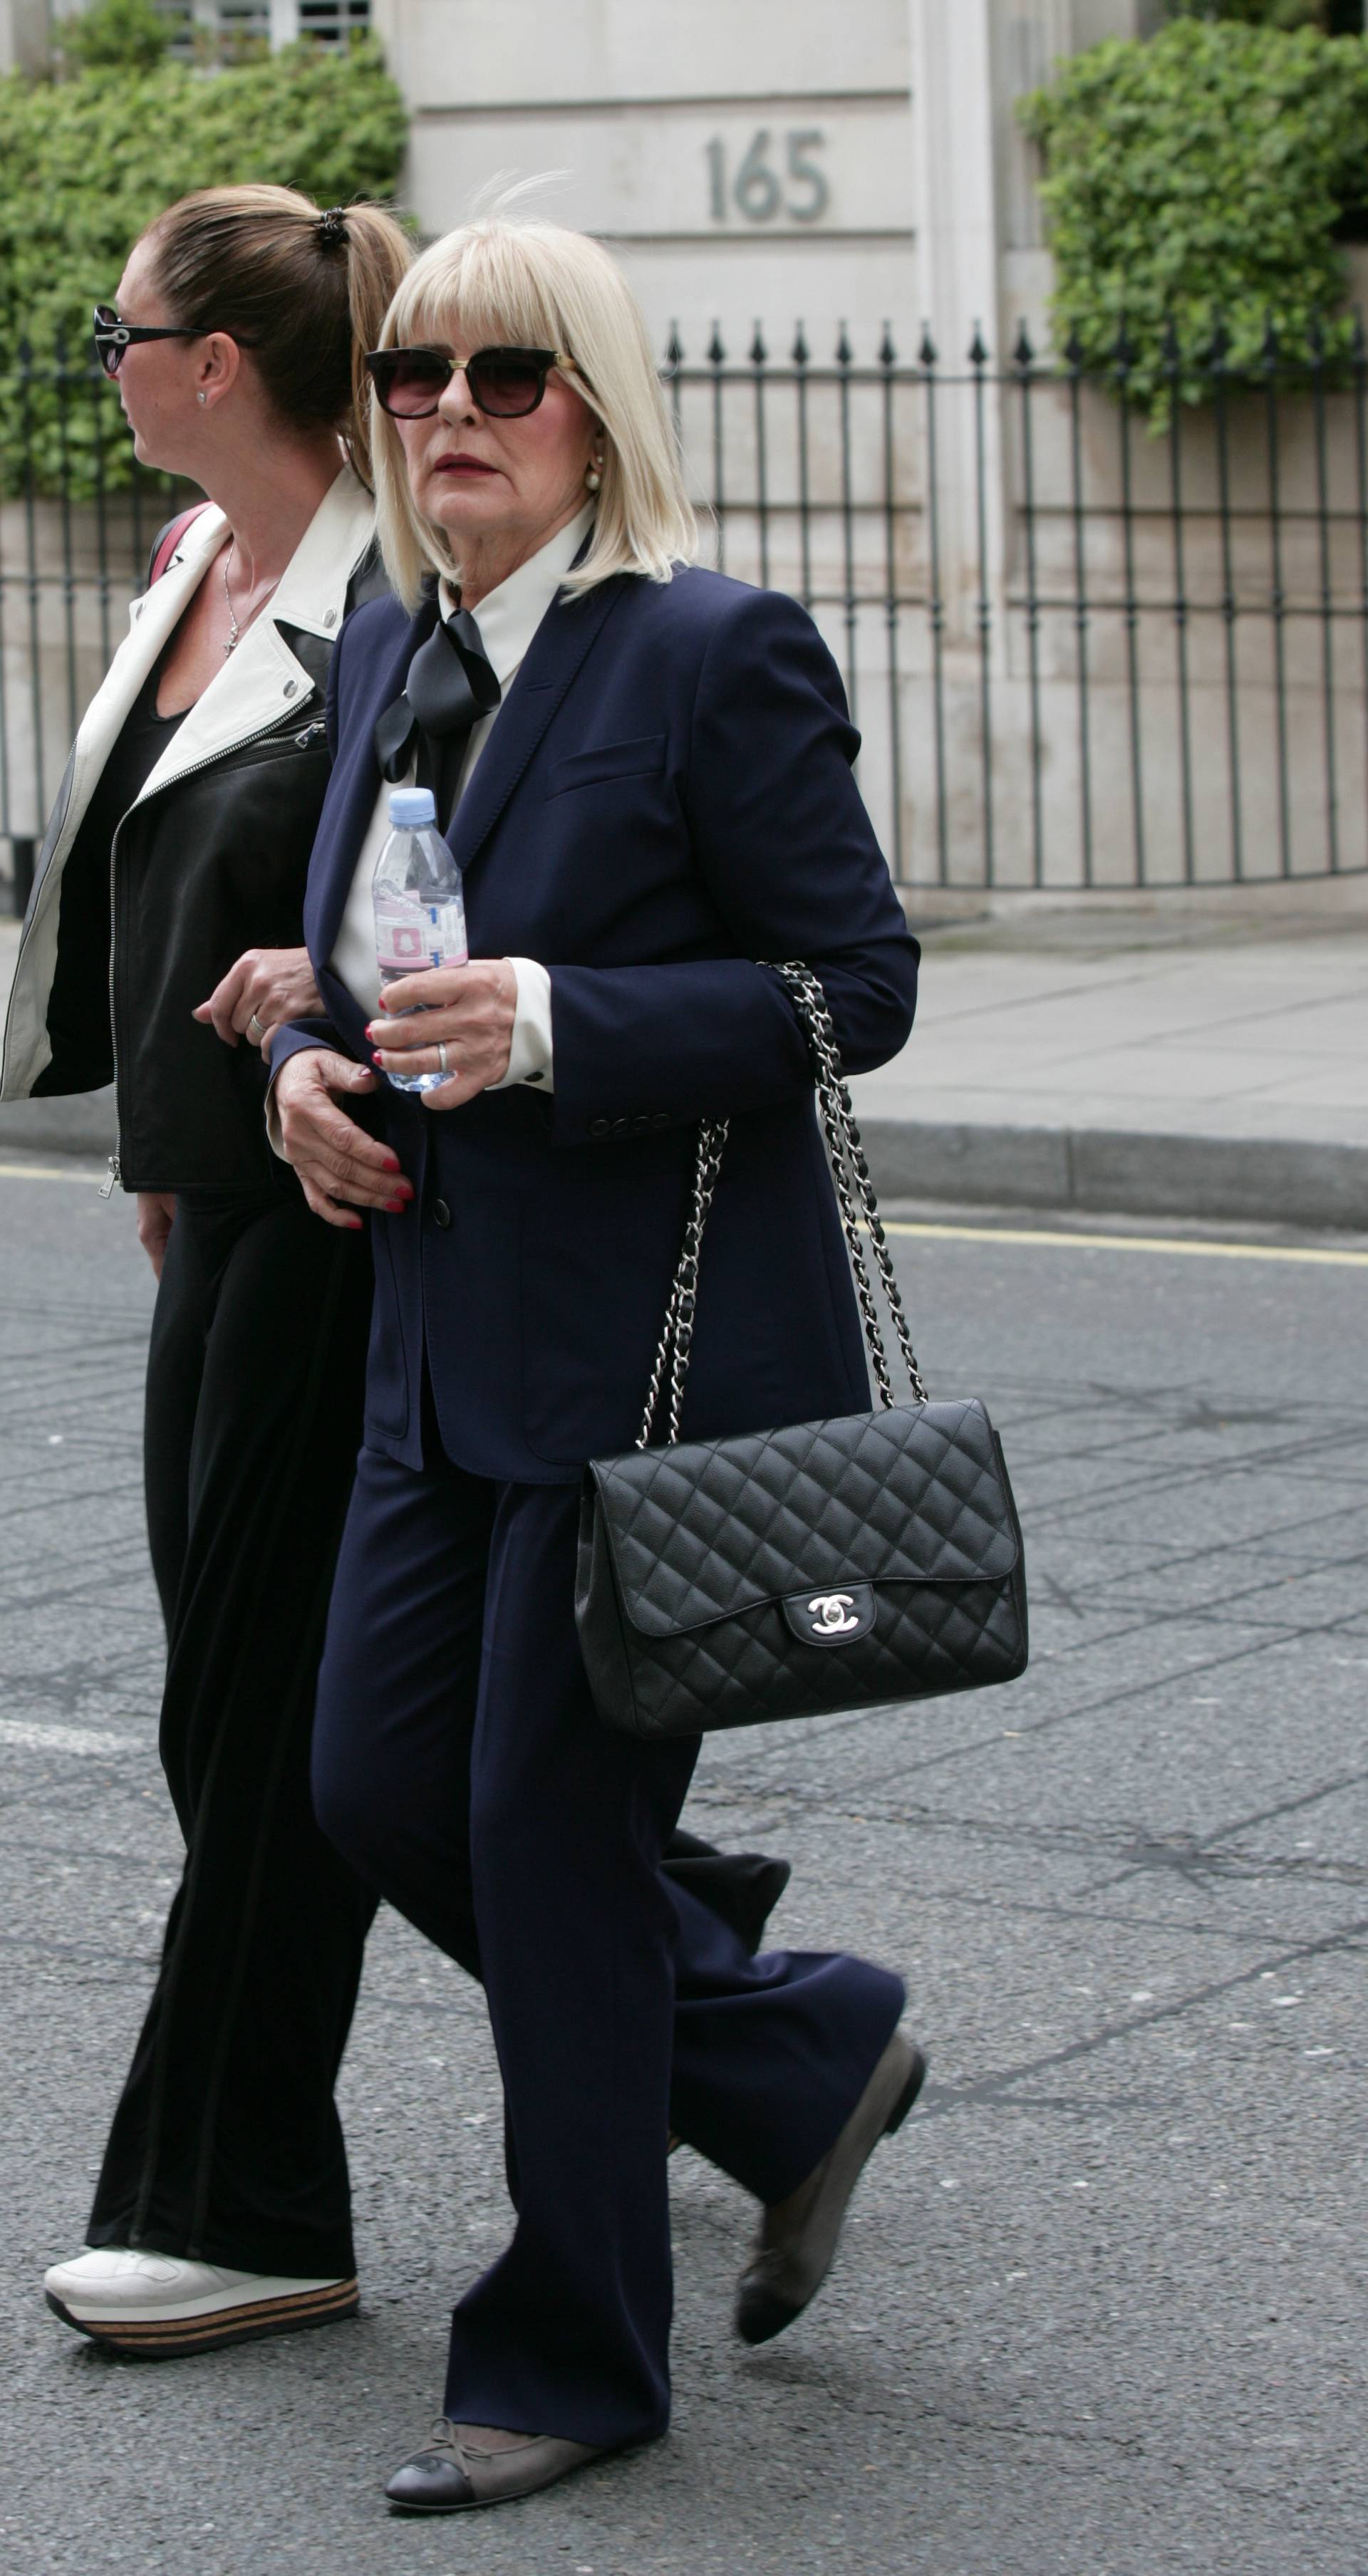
{"x":282,"y":18}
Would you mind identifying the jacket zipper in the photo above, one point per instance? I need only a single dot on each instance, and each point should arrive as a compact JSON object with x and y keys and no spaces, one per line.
{"x":115,"y":1172}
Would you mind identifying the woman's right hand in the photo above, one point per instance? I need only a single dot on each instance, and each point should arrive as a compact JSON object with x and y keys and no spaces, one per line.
{"x":339,"y":1165}
{"x":156,"y":1216}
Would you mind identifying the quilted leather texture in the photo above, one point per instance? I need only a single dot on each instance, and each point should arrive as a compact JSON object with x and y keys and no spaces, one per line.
{"x":688,"y":1553}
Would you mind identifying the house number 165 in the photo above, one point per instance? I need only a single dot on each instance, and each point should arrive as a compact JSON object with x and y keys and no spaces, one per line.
{"x":758,"y":191}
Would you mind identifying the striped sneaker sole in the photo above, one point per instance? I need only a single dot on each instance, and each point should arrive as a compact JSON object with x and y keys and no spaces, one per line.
{"x":170,"y":2338}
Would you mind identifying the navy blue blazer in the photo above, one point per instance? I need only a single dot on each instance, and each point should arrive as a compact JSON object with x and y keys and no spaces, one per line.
{"x":665,"y":799}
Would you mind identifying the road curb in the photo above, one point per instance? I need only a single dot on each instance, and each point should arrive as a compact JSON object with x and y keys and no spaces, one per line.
{"x":83,"y":1122}
{"x":1104,"y":1171}
{"x":1114,"y":1172}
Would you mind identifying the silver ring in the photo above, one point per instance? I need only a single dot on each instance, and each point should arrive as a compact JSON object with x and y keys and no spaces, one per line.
{"x":255,"y":1031}
{"x":441,"y":1056}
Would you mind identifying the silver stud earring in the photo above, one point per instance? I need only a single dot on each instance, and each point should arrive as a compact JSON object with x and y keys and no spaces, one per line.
{"x":593,"y":474}
{"x":201,"y":398}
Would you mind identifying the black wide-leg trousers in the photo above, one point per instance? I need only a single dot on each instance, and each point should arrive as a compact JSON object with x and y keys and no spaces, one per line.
{"x":226,"y":2144}
{"x":459,"y":1762}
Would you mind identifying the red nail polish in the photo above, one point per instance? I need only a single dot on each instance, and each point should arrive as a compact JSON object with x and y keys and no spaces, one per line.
{"x":395,"y":1207}
{"x":391,"y":1162}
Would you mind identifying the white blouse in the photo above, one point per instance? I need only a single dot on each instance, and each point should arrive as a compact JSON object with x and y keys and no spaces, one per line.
{"x":508,"y":618}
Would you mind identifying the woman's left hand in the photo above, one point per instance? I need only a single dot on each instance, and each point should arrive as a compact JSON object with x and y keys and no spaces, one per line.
{"x":468,"y":1010}
{"x":266,"y":986}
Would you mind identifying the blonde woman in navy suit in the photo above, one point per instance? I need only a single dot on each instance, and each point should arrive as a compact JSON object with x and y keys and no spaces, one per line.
{"x":645,"y":771}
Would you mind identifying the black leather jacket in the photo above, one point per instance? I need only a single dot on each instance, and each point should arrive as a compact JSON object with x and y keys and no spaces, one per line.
{"x":211,"y":864}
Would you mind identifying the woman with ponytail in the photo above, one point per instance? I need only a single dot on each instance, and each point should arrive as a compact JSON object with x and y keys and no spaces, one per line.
{"x":173,"y":873}
{"x":163,"y":945}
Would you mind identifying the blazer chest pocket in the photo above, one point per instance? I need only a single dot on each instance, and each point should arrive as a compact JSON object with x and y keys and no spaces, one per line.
{"x":643,"y":758}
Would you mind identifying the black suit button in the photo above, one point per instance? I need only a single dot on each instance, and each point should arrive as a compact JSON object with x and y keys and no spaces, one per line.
{"x":599,"y":1127}
{"x":661,"y":1118}
{"x":441,"y":1213}
{"x":639,"y":1126}
{"x":619,"y":1126}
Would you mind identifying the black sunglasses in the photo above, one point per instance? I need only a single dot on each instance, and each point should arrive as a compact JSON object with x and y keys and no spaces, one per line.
{"x":505,"y":384}
{"x":112,"y":336}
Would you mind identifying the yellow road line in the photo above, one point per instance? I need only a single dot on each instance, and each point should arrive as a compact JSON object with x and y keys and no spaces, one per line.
{"x":1129,"y":1243}
{"x":46,"y":1172}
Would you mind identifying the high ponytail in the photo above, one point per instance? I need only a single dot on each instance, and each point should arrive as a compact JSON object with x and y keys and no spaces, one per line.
{"x":307,"y":288}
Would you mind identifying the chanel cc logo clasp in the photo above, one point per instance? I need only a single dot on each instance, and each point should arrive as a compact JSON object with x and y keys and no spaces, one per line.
{"x":831,"y":1619}
{"x":831,"y":1614}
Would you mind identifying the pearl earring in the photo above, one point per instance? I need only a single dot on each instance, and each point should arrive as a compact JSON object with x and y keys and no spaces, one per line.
{"x":593,"y":474}
{"x":201,"y":398}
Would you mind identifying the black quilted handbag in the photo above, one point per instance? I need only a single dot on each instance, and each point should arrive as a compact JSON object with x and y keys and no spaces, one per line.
{"x":795,"y":1573}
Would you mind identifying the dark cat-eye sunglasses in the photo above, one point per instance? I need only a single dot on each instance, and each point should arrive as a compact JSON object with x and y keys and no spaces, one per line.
{"x":505,"y":384}
{"x":112,"y":336}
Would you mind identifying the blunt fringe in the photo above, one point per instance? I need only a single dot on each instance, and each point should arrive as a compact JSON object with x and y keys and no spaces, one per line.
{"x":507,"y":282}
{"x":310,"y":296}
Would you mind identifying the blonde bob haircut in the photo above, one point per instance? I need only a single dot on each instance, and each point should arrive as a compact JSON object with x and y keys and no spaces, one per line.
{"x":539,"y":285}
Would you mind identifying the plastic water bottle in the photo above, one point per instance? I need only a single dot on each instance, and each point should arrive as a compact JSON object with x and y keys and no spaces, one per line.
{"x":419,"y":906}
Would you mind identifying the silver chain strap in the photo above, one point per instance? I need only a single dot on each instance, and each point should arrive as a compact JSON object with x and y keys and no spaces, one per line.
{"x":855,"y":1198}
{"x":854,"y":1187}
{"x":677,"y":1337}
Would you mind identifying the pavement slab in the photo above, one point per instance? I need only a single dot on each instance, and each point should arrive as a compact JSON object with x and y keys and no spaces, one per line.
{"x":1220,"y":1075}
{"x":1100,"y":2308}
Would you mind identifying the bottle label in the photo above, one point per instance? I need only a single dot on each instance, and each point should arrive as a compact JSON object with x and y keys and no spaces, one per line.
{"x":409,"y":937}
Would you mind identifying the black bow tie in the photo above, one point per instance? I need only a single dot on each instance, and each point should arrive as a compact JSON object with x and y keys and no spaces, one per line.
{"x":451,"y":684}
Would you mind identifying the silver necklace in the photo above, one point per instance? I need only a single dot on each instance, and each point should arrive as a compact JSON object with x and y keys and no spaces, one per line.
{"x":234,"y":630}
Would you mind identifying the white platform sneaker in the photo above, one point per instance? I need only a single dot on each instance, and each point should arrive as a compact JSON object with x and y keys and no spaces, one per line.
{"x":160,"y":2305}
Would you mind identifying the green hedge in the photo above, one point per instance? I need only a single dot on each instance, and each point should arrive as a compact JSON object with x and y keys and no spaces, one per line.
{"x":1198,"y":181}
{"x":85,"y":164}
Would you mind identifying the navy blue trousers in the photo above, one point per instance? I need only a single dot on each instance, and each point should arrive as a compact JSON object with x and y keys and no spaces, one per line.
{"x":460,"y":1766}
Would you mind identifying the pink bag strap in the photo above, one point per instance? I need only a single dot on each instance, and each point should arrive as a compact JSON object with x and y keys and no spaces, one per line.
{"x":170,"y":538}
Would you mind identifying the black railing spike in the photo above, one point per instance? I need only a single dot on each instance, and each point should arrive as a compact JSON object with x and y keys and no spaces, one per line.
{"x":1074,"y":353}
{"x":1023,"y":355}
{"x":1316,"y":341}
{"x":1123,"y":349}
{"x":800,"y":346}
{"x":888,"y":355}
{"x":717,"y":355}
{"x":927,"y":353}
{"x":978,"y":351}
{"x":1218,"y":348}
{"x":845,"y":355}
{"x":1270,"y":343}
{"x":674,"y":351}
{"x":1173,"y":355}
{"x":1358,"y":346}
{"x":758,"y":351}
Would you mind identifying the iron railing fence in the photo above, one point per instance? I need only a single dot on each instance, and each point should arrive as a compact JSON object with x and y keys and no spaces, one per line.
{"x":1083,"y":653}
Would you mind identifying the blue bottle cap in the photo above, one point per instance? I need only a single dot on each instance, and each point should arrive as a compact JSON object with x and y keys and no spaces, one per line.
{"x":411,"y":807}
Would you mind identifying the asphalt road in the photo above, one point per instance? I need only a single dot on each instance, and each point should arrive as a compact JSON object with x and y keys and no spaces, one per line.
{"x":1100,"y":2307}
